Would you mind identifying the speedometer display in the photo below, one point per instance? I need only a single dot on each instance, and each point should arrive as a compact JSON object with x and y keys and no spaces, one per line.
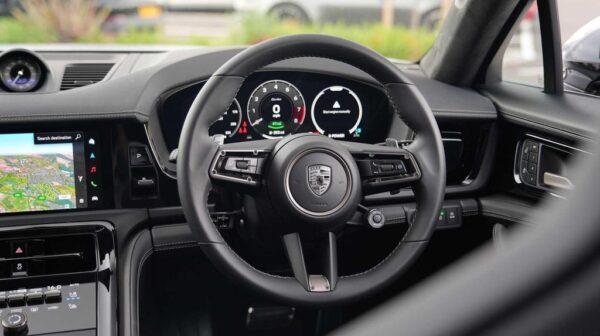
{"x":337,"y":113}
{"x":229,"y":123}
{"x":276,"y":108}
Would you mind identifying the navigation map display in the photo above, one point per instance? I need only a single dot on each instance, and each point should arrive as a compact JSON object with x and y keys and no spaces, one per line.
{"x":46,"y":171}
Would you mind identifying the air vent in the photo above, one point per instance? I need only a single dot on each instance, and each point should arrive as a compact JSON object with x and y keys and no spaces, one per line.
{"x":78,"y":75}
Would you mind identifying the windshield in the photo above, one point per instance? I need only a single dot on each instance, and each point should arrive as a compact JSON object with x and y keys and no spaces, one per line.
{"x":401,"y":29}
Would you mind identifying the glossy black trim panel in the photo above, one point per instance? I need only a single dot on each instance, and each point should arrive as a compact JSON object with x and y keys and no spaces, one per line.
{"x":136,"y":252}
{"x":105,"y":274}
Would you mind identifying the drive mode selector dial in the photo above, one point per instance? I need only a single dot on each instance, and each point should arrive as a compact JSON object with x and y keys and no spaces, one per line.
{"x":15,"y":324}
{"x":276,"y":108}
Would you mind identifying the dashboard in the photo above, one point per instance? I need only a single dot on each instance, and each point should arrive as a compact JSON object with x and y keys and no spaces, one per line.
{"x":85,"y":165}
{"x":273,"y":104}
{"x":133,"y":135}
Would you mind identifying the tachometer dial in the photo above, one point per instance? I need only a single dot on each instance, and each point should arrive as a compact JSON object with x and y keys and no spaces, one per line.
{"x":276,"y":108}
{"x":337,"y":113}
{"x":230,"y":121}
{"x":20,"y":73}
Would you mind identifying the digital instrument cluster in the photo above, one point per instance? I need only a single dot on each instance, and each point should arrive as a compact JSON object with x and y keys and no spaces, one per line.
{"x":273,"y":104}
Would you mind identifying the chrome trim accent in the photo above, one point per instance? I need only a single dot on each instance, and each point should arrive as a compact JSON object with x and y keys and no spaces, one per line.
{"x":557,"y":181}
{"x":516,"y":174}
{"x":318,"y":283}
{"x":557,"y":143}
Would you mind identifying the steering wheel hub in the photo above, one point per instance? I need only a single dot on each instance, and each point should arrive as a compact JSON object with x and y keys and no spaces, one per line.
{"x":313,"y":180}
{"x":318,"y":183}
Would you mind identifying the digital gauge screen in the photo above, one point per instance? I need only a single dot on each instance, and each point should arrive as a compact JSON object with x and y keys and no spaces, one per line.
{"x":276,"y":108}
{"x":276,"y":104}
{"x":337,"y":112}
{"x":229,"y":123}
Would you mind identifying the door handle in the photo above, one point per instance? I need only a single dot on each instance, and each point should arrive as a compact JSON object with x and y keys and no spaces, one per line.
{"x":557,"y":181}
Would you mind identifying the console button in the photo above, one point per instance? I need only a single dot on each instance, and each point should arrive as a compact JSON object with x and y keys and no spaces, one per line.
{"x":523,"y":167}
{"x":19,"y":249}
{"x":452,"y":216}
{"x":138,"y":156}
{"x":531,"y":179}
{"x":16,"y":300}
{"x":530,"y":147}
{"x":53,"y":296}
{"x":375,"y":218}
{"x":532,"y":168}
{"x":34,"y":298}
{"x":145,"y":182}
{"x":441,"y":221}
{"x":533,"y":157}
{"x":18,"y":268}
{"x":15,"y":324}
{"x":3,"y":300}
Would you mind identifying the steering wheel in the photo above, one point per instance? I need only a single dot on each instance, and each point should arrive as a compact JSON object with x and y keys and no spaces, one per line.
{"x":310,"y":185}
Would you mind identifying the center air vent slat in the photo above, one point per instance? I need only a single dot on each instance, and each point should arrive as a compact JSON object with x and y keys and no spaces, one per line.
{"x":78,"y":75}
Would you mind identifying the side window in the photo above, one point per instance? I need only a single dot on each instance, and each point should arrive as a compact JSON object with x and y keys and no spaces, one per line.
{"x":580,"y":35}
{"x":523,"y":62}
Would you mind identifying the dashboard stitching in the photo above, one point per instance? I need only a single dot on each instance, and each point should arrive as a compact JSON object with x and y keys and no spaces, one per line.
{"x":177,"y":243}
{"x":179,"y":247}
{"x":116,"y":115}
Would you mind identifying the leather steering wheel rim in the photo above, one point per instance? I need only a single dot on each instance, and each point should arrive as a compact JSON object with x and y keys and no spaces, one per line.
{"x":196,"y":149}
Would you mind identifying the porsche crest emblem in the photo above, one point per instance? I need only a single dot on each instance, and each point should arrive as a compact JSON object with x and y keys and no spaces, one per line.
{"x":319,"y":178}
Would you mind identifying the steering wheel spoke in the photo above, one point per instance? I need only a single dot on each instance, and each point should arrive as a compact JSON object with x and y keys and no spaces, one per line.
{"x":384,"y":168}
{"x":324,"y":282}
{"x":241,"y":163}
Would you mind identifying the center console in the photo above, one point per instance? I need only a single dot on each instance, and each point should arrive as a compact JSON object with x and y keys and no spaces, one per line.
{"x":58,"y":279}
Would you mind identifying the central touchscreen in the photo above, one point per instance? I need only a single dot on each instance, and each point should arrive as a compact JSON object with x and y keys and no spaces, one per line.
{"x":48,"y":171}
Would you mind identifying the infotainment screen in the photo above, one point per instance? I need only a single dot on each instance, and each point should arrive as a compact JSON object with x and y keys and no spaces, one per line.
{"x":48,"y":171}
